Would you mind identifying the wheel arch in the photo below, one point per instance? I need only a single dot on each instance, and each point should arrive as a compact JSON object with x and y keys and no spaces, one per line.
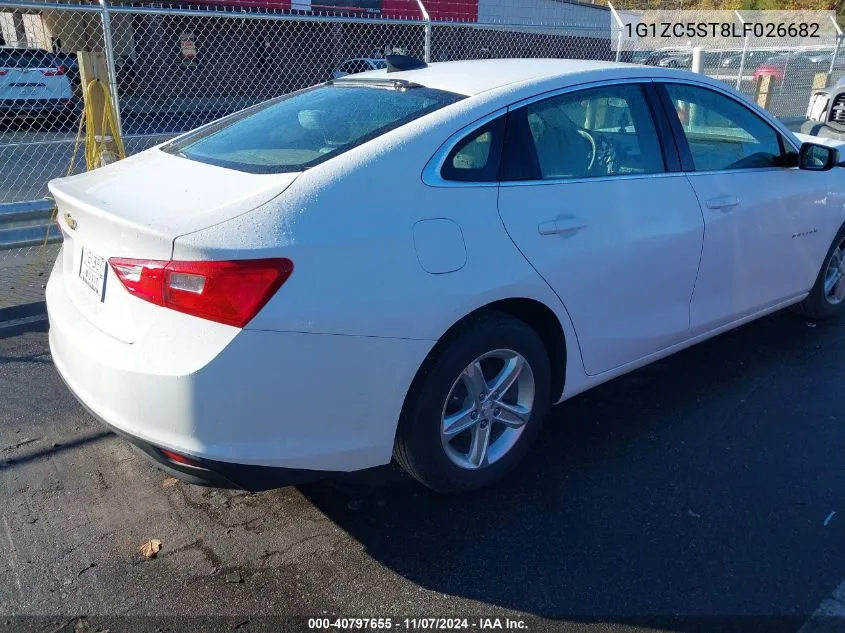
{"x":535,"y":314}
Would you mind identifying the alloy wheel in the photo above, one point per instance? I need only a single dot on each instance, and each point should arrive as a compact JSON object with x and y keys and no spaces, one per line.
{"x":487,"y":409}
{"x":834,"y":276}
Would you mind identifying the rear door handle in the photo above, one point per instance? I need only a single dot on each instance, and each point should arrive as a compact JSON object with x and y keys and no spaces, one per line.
{"x":561,"y":227}
{"x":723,"y":203}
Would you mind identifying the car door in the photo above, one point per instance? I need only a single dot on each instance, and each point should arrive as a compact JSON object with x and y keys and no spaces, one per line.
{"x":593,"y":196}
{"x":763,"y":241}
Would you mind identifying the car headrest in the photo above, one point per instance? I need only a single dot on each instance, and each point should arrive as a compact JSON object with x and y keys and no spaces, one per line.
{"x":332,"y":126}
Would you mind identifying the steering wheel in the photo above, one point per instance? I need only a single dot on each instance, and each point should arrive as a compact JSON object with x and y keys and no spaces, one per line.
{"x":592,"y":143}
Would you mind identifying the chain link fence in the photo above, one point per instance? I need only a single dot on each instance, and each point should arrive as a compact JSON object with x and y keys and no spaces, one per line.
{"x":779,"y":79}
{"x":176,"y":68}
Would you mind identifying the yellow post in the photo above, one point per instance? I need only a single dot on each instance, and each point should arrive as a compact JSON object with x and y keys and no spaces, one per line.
{"x":764,"y":91}
{"x":93,"y":67}
{"x":820,"y":81}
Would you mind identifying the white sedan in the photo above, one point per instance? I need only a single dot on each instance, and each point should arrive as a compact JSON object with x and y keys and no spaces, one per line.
{"x":417,"y":262}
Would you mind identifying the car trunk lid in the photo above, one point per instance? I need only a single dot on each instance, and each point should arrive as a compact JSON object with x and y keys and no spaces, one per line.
{"x":136,"y":208}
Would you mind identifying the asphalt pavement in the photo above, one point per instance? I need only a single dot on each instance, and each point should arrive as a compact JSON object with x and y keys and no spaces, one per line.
{"x":23,"y":277}
{"x":704,"y":492}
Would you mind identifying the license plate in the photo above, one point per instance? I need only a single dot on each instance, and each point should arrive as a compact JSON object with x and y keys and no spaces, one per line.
{"x":92,"y":271}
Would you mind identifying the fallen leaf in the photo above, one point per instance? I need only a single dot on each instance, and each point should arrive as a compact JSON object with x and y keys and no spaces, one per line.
{"x":169,"y":482}
{"x":150,"y":548}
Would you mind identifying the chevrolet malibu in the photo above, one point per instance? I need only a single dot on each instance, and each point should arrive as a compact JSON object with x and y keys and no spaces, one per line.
{"x":417,"y":262}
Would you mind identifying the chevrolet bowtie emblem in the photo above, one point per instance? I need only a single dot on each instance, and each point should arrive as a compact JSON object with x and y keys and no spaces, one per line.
{"x":71,"y":223}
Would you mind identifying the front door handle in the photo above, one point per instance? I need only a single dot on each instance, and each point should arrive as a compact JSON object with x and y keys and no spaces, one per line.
{"x":561,"y":227}
{"x":723,"y":203}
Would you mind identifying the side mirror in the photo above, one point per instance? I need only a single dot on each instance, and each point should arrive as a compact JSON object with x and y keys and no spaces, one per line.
{"x":814,"y":157}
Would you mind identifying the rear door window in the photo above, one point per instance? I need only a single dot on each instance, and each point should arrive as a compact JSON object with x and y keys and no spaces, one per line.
{"x":605,"y":131}
{"x":306,"y":128}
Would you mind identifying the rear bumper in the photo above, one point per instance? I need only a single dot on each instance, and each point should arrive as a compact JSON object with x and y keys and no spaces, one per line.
{"x":208,"y":472}
{"x":241,"y":403}
{"x":11,"y":108}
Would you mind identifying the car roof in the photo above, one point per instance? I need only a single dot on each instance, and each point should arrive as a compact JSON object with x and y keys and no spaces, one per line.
{"x":473,"y":77}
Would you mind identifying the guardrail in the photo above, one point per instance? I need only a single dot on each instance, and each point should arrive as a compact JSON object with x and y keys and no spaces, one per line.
{"x":25,"y":224}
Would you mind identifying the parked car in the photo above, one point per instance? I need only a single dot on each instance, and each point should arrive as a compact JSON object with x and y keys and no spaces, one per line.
{"x":70,"y":63}
{"x":676,"y":60}
{"x":823,"y":56}
{"x":641,"y":57}
{"x":655,"y":57}
{"x":358,"y":65}
{"x":753,"y":58}
{"x":825,"y":116}
{"x":800,"y":66}
{"x":34,"y":85}
{"x":683,"y":59}
{"x":417,"y":262}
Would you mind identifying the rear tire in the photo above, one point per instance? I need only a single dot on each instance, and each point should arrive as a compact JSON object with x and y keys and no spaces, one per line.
{"x":827,"y":298}
{"x":505,"y":404}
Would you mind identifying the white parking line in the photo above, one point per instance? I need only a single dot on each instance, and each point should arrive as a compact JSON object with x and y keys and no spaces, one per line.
{"x":72,"y":140}
{"x":12,"y":554}
{"x":830,"y":616}
{"x":23,"y":321}
{"x":50,"y":142}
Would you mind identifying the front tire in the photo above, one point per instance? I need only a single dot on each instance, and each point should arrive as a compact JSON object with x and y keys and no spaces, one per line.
{"x":827,"y":297}
{"x":477,"y":406}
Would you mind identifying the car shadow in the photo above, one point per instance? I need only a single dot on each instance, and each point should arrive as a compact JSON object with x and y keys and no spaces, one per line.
{"x":688,"y":488}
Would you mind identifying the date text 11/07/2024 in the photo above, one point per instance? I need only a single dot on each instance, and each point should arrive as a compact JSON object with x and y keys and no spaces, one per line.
{"x":723,"y":29}
{"x":418,"y":624}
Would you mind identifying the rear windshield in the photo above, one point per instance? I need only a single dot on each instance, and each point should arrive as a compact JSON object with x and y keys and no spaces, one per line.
{"x":305,"y":128}
{"x":26,"y":59}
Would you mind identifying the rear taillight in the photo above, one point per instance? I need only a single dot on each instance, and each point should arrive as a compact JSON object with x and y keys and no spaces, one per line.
{"x":3,"y":72}
{"x":55,"y":72}
{"x":230,"y":292}
{"x":176,"y":458}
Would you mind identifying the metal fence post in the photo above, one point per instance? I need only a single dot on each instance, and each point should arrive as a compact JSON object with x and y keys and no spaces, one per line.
{"x":836,"y":48}
{"x":109,"y":46}
{"x":427,"y":27}
{"x":614,"y":16}
{"x":698,"y":59}
{"x":744,"y":52}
